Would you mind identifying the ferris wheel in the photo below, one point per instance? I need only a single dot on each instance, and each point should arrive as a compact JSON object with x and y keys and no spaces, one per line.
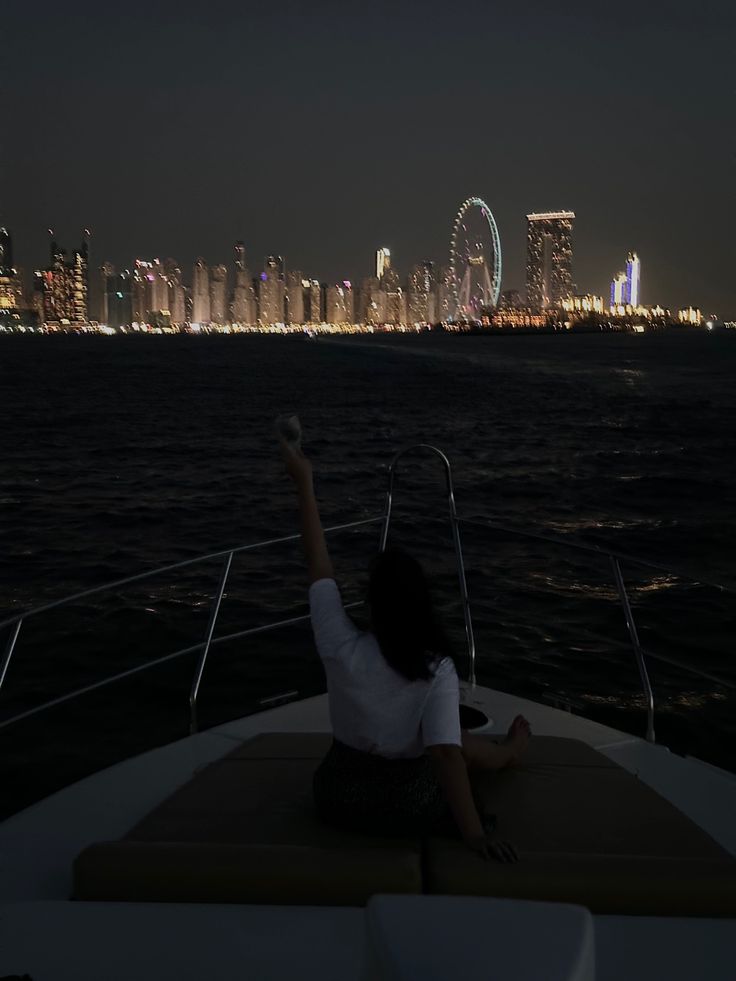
{"x":475,"y":260}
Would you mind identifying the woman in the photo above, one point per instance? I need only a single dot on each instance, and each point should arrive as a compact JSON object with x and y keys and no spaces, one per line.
{"x":399,"y":760}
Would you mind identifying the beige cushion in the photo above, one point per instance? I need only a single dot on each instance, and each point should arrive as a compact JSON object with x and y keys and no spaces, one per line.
{"x":245,"y":829}
{"x":635,"y":885}
{"x":588,"y":809}
{"x":588,"y":834}
{"x":199,"y":872}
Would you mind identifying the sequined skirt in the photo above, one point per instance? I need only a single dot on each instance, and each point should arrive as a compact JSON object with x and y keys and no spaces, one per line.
{"x":369,"y":793}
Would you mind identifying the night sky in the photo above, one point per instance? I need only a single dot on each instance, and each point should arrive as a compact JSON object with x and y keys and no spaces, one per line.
{"x":323,"y":130}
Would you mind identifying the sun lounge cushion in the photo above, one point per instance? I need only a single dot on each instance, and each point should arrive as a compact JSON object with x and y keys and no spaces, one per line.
{"x":245,"y":830}
{"x":206,"y":872}
{"x":633,"y":885}
{"x":593,"y":835}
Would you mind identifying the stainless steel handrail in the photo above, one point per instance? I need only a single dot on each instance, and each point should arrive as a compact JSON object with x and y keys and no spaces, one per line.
{"x":469,"y":636}
{"x":197,"y":680}
{"x":250,"y":632}
{"x":178,"y":565}
{"x":594,"y":549}
{"x":633,"y":634}
{"x":616,"y":558}
{"x":21,"y":617}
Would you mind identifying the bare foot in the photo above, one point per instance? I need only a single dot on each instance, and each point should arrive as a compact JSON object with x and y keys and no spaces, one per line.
{"x":518,"y":737}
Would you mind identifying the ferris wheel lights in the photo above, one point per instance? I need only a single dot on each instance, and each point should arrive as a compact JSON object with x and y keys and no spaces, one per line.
{"x":474,"y":254}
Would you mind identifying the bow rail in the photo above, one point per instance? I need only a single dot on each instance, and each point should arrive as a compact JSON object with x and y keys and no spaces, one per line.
{"x":616,"y":560}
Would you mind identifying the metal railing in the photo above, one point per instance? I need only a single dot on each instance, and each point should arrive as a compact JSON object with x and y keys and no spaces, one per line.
{"x":392,"y":470}
{"x":614,"y":558}
{"x":16,"y":622}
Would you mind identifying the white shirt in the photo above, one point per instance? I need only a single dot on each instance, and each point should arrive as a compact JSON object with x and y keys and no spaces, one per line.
{"x":372,"y":707}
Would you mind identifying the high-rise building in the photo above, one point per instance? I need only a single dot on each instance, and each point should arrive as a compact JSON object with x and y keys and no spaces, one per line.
{"x":619,"y":290}
{"x":6,"y":253}
{"x":295,"y":297}
{"x":79,"y":282}
{"x":373,"y":302}
{"x":383,"y":262}
{"x":271,"y":291}
{"x":444,"y":299}
{"x":150,"y":292}
{"x":201,"y":293}
{"x":176,"y":291}
{"x":348,"y":296}
{"x":218,"y":294}
{"x":420,"y":293}
{"x":119,"y":298}
{"x":633,"y":280}
{"x":313,"y":297}
{"x":103,"y":273}
{"x":549,"y":259}
{"x":339,"y":303}
{"x":244,"y":297}
{"x":61,"y":290}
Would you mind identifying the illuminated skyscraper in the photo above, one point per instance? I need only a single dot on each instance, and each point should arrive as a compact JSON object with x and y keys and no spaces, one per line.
{"x":6,"y":253}
{"x":176,"y":291}
{"x":295,"y":296}
{"x":339,"y":303}
{"x":444,"y":302}
{"x":62,"y":289}
{"x":313,"y":296}
{"x":79,"y":282}
{"x":119,"y":302}
{"x":549,"y":259}
{"x":271,"y":291}
{"x":11,"y":292}
{"x":103,"y":273}
{"x":244,"y":297}
{"x":218,"y":294}
{"x":348,"y":294}
{"x":420,"y":294}
{"x":618,"y":290}
{"x":57,"y":304}
{"x":150,"y":292}
{"x":201,"y":293}
{"x":383,"y":262}
{"x":633,"y":279}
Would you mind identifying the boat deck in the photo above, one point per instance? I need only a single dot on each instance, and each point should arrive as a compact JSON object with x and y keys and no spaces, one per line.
{"x":38,"y":846}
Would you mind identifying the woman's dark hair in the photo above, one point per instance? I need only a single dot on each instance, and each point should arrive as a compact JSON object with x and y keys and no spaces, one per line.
{"x":403,"y":616}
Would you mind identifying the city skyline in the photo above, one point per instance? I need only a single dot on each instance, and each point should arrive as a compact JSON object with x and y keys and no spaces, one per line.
{"x":218,"y":300}
{"x":154,"y":293}
{"x":403,"y":266}
{"x":358,"y":136}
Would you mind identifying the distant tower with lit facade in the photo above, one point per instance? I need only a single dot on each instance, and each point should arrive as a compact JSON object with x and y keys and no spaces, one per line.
{"x":10,"y":287}
{"x":271,"y":291}
{"x":201,"y":293}
{"x":633,"y":279}
{"x":218,"y":294}
{"x":295,"y":284}
{"x":78,"y":282}
{"x":177,"y":302}
{"x":244,"y":296}
{"x":549,"y":259}
{"x":6,"y":253}
{"x":626,"y":286}
{"x":62,"y":289}
{"x":421,"y":293}
{"x":618,"y":290}
{"x":119,"y":298}
{"x":383,"y":262}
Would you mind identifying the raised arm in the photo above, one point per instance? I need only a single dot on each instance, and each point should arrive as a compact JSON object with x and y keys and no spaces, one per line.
{"x":319,"y":564}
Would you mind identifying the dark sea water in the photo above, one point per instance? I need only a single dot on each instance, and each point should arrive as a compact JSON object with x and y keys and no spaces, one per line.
{"x":124,"y":454}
